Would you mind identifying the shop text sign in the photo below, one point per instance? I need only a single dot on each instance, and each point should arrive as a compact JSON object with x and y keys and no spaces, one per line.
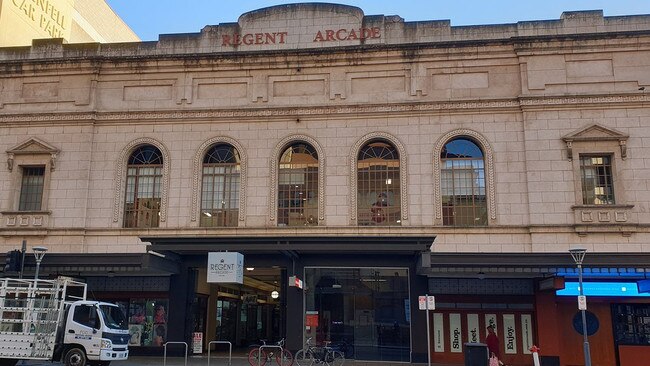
{"x":325,"y":35}
{"x":225,"y":267}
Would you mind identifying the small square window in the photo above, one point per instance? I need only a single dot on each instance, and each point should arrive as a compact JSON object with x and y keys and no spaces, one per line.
{"x":597,"y":180}
{"x":31,"y":188}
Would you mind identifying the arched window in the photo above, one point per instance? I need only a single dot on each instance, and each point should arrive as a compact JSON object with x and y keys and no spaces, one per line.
{"x":462,"y":183}
{"x":378,"y":184}
{"x":298,"y":186}
{"x":220,"y":186}
{"x":143,"y":188}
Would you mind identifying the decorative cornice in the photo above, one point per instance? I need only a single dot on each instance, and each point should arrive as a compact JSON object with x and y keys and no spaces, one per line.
{"x":198,"y":163}
{"x":403,"y":173}
{"x":489,"y":167}
{"x":120,"y":175}
{"x":596,"y":133}
{"x":273,"y":163}
{"x":514,"y":103}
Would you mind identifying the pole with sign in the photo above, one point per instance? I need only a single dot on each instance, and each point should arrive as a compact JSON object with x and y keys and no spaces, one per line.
{"x":427,"y":303}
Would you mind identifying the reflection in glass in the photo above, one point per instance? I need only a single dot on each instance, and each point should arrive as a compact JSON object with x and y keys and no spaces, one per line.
{"x":462,"y":183}
{"x":364,"y":312}
{"x":143,"y":188}
{"x":298,"y":186}
{"x":378,"y":185}
{"x":220,"y":186}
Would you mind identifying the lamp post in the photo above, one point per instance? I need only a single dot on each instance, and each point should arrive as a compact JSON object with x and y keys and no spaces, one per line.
{"x":39,"y":253}
{"x":578,"y":255}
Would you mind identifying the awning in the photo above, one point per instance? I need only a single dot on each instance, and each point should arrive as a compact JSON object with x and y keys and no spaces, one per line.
{"x":531,"y":265}
{"x":74,"y":264}
{"x":294,"y":245}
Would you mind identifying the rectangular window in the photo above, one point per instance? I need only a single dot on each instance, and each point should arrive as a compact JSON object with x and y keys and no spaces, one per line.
{"x":31,"y":188}
{"x":597,"y":180}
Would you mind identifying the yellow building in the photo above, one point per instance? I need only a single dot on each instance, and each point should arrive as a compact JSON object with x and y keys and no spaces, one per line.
{"x":76,"y":21}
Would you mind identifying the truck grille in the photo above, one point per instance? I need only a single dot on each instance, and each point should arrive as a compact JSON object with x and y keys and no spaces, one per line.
{"x":116,"y":338}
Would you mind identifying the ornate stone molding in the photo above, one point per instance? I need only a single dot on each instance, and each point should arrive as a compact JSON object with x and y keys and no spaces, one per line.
{"x":403,"y":174}
{"x":587,"y":99}
{"x":594,"y":134}
{"x":33,"y":146}
{"x":273,"y":163}
{"x":198,"y":164}
{"x":489,"y":162}
{"x":120,"y":175}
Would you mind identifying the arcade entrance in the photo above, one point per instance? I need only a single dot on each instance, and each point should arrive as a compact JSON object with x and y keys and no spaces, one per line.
{"x":244,"y":314}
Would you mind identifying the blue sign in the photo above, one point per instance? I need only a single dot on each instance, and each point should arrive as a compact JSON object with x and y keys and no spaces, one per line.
{"x":620,"y":289}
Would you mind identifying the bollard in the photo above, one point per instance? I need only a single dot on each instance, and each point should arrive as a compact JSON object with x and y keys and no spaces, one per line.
{"x":535,"y":350}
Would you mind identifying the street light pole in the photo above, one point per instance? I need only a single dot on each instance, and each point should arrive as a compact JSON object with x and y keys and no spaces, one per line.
{"x":39,"y":253}
{"x":578,"y":255}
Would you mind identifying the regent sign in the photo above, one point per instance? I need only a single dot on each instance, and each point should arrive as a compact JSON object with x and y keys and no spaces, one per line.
{"x":225,"y":267}
{"x":328,"y":35}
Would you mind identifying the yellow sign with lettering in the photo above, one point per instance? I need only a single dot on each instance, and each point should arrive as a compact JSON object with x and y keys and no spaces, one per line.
{"x":24,"y":20}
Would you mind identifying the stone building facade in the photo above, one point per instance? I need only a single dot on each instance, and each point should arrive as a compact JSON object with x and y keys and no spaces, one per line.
{"x":375,"y":159}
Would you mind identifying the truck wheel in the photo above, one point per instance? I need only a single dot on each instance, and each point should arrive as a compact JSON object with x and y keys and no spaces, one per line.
{"x":75,"y":357}
{"x":8,"y":362}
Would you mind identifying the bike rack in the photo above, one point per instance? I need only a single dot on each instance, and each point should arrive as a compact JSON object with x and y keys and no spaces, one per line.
{"x":229,"y":350}
{"x":259,"y":359}
{"x":165,"y":354}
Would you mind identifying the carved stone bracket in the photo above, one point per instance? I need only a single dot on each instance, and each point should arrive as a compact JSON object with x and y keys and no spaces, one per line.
{"x":403,"y":174}
{"x":275,"y":158}
{"x":120,"y":176}
{"x":196,"y":177}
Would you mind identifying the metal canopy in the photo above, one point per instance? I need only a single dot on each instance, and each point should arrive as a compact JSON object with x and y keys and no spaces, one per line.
{"x":293,"y":246}
{"x":531,"y":265}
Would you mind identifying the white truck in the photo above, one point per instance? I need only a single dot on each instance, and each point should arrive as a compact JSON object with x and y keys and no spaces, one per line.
{"x":51,"y":320}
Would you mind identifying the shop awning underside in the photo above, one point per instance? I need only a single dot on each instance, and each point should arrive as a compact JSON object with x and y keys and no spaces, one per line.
{"x":532,"y":265}
{"x":295,"y":245}
{"x":77,"y":264}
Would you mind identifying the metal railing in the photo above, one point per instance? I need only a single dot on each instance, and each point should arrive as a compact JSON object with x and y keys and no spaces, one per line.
{"x":229,"y":350}
{"x":165,"y":354}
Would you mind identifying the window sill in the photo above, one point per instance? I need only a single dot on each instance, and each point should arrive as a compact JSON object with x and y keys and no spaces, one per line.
{"x":25,"y":219}
{"x":602,"y":207}
{"x":606,"y":217}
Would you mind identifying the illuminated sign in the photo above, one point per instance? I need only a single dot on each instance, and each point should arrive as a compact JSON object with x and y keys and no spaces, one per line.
{"x":621,"y":289}
{"x":294,"y":281}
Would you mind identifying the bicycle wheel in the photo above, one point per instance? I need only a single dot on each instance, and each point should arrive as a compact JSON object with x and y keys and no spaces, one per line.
{"x":334,"y":358}
{"x":303,"y":358}
{"x":285,"y":358}
{"x":256,"y":358}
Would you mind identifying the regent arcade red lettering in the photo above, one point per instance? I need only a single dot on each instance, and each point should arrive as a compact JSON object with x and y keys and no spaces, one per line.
{"x":253,"y":38}
{"x":347,"y":34}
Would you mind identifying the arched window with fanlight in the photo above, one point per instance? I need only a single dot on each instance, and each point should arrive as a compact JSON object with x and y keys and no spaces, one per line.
{"x":143,"y":188}
{"x":462,"y":183}
{"x":221,"y":182}
{"x":298,"y":186}
{"x":378,"y":184}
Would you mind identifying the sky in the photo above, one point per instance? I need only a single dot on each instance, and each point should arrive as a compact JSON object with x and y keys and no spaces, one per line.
{"x":149,"y":18}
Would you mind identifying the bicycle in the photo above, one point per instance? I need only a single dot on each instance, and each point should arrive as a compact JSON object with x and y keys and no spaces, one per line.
{"x":259,"y":356}
{"x":319,"y":355}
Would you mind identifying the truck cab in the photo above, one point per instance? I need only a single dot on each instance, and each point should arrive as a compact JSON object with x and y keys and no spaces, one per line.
{"x":95,"y":333}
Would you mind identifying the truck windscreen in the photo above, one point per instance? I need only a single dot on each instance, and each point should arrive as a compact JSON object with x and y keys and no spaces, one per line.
{"x":113,"y":317}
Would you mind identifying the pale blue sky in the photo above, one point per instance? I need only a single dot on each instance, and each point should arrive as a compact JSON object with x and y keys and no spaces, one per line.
{"x":149,"y":18}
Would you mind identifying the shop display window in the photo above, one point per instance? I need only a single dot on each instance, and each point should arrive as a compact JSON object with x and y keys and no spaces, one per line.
{"x":148,"y":322}
{"x":363,"y":312}
{"x":631,"y":324}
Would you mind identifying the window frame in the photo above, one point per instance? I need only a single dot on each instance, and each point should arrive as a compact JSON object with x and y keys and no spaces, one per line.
{"x":301,"y":207}
{"x":473,"y":206}
{"x":22,"y":199}
{"x":488,"y":164}
{"x":583,"y":179}
{"x":228,"y":180}
{"x":157,"y":182}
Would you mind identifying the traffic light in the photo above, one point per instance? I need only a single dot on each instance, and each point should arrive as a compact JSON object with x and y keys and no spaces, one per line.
{"x":12,"y":261}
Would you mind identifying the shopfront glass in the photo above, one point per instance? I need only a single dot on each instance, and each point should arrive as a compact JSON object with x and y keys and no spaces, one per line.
{"x":148,"y":322}
{"x":364,"y":312}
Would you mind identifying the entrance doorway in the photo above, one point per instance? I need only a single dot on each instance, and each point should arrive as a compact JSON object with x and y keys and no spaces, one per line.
{"x":246,"y":313}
